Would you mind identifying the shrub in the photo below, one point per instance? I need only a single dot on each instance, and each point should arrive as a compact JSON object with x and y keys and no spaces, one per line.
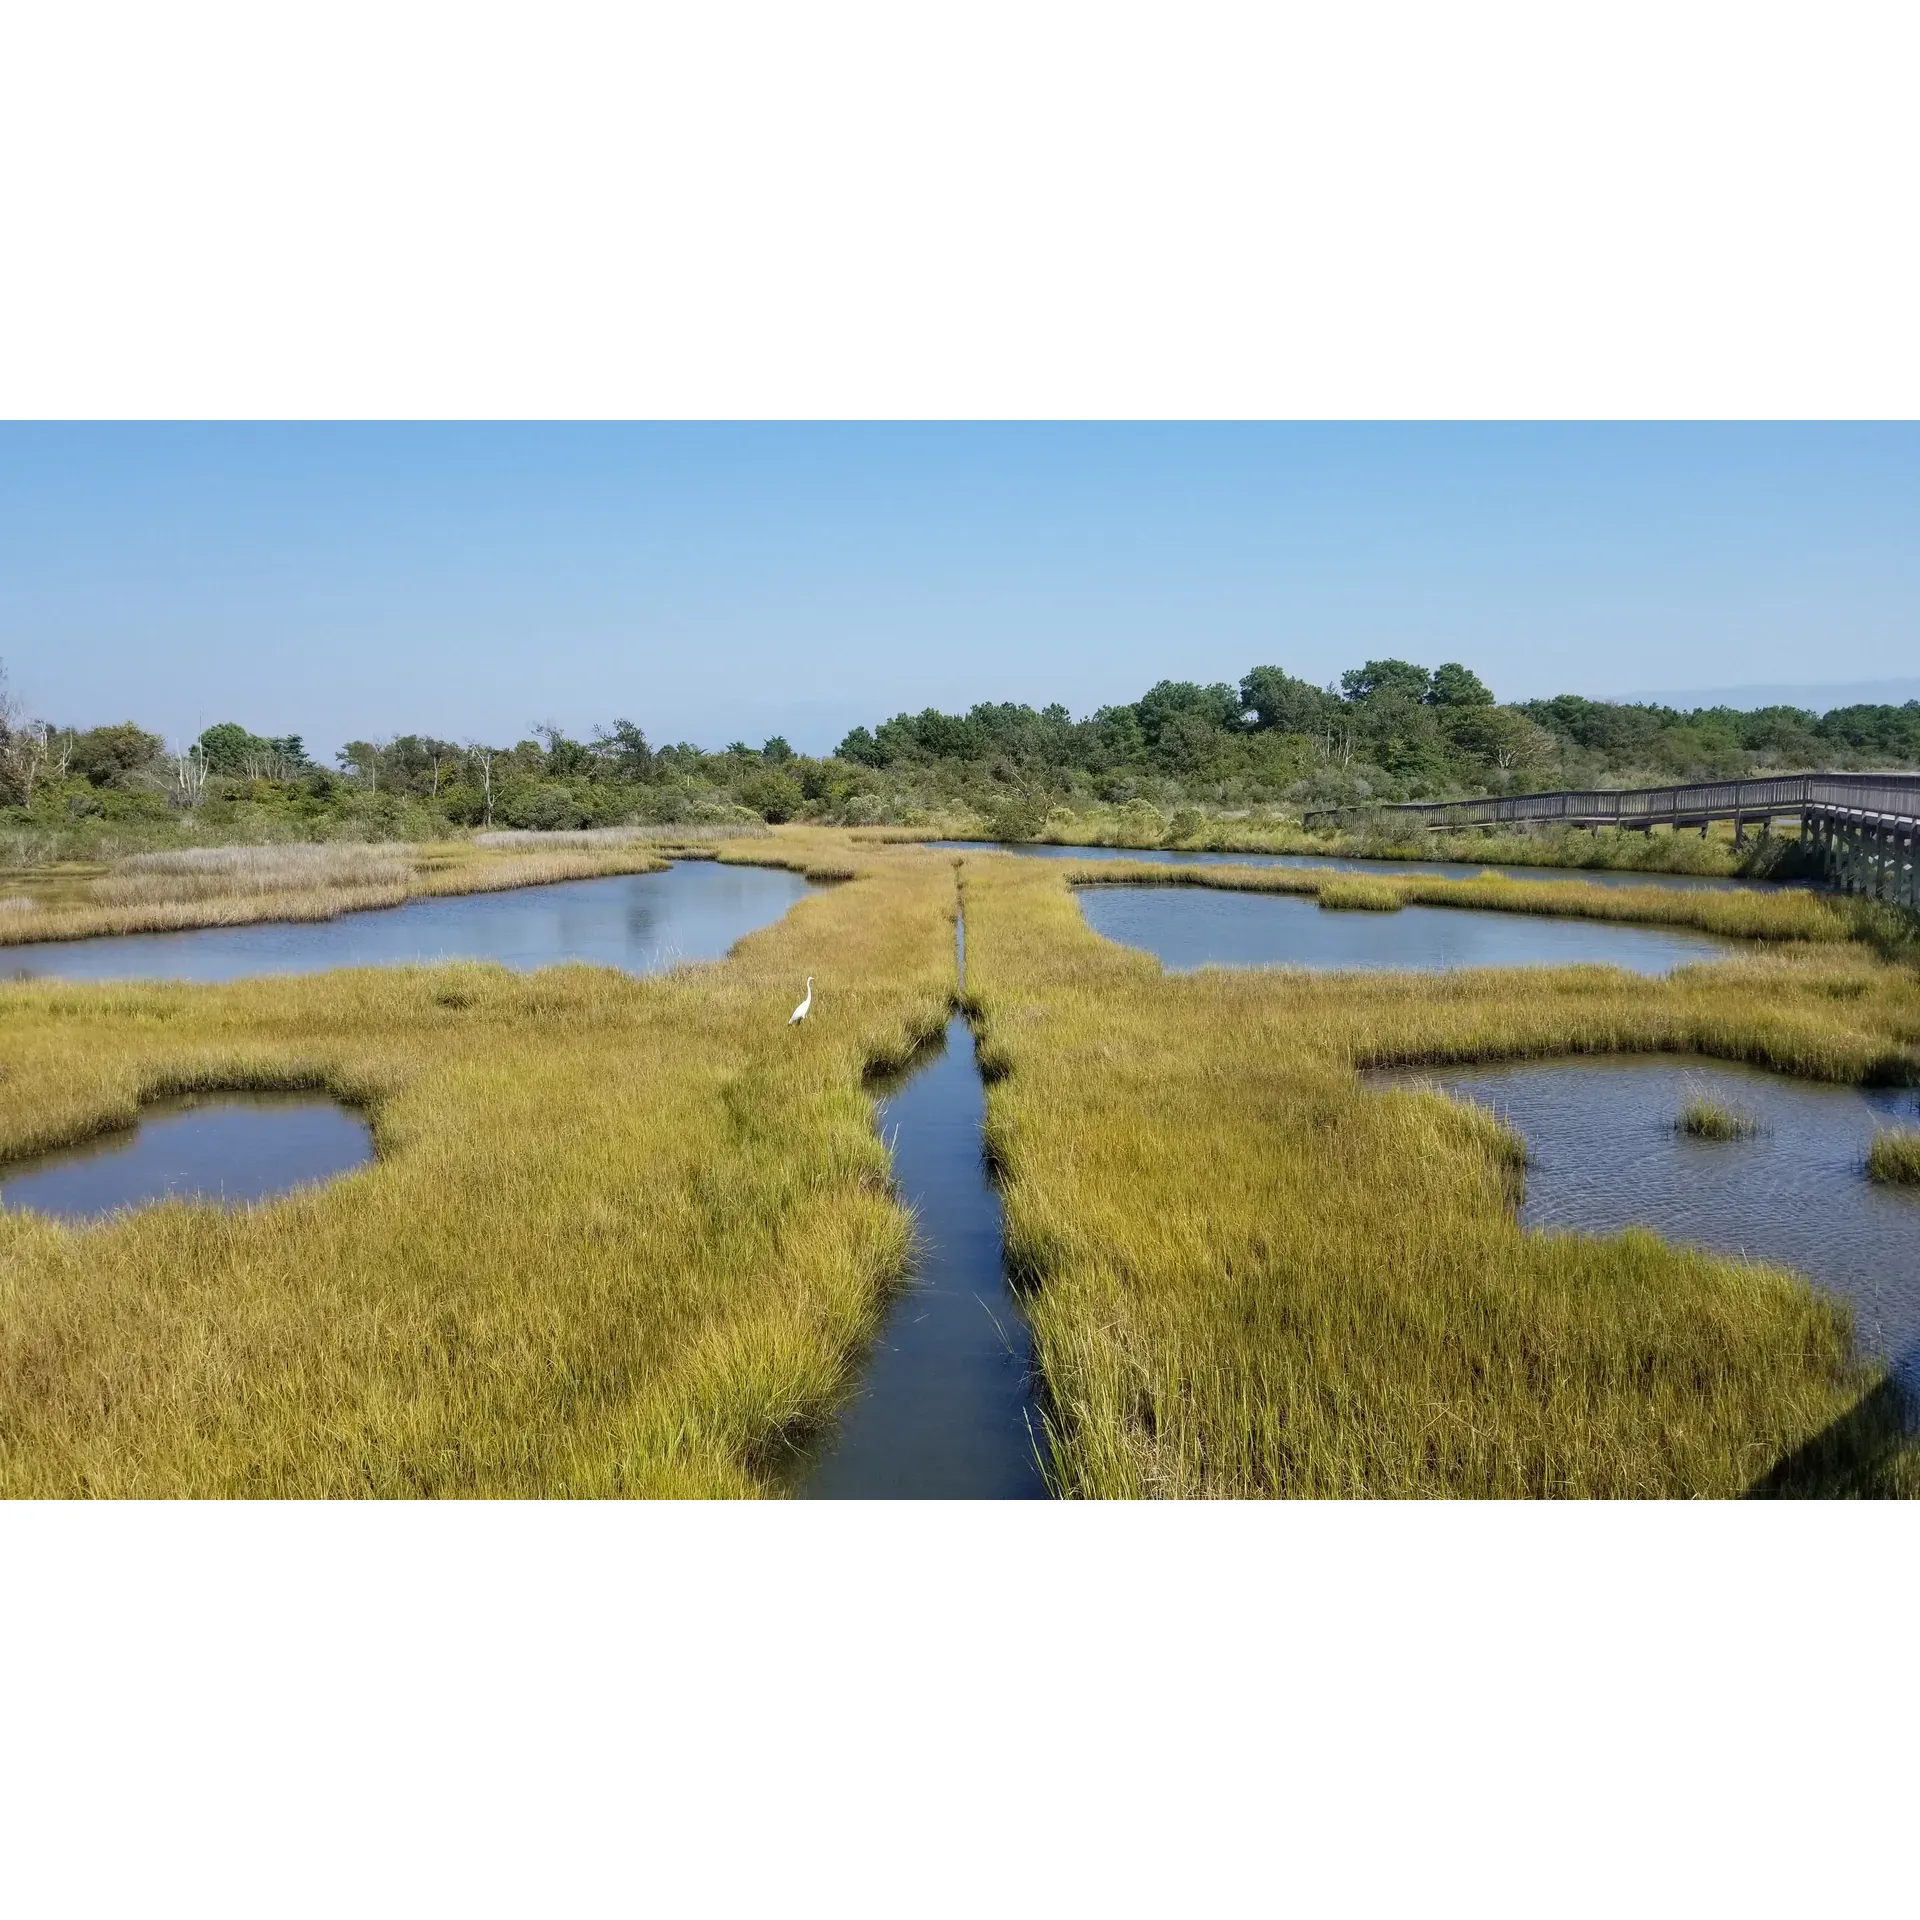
{"x":773,"y":796}
{"x":545,"y":808}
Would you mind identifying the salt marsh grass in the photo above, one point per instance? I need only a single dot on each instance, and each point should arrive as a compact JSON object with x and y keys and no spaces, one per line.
{"x":622,"y":1236}
{"x":1704,"y":1118}
{"x":201,"y":873}
{"x":1894,"y":1157}
{"x":630,"y":1236}
{"x":1733,"y":915}
{"x":692,"y":834}
{"x":1606,"y":849}
{"x":230,"y":886}
{"x":1250,"y":1275}
{"x":1366,"y":895}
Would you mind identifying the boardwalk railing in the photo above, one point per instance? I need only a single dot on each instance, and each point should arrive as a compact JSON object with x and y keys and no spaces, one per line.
{"x":1862,"y":826}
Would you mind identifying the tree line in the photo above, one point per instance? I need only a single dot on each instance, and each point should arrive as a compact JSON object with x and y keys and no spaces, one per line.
{"x":1387,"y":730}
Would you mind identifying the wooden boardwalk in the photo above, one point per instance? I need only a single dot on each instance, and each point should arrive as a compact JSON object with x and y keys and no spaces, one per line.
{"x":1863,"y":826}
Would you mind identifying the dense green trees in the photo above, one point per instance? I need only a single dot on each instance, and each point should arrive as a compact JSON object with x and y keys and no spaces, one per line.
{"x":1389,"y":730}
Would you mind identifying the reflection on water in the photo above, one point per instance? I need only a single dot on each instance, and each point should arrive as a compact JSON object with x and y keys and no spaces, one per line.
{"x":1439,"y":869}
{"x":1185,"y":927}
{"x":1604,"y":1155}
{"x":641,"y":922}
{"x":945,"y":1408}
{"x":231,"y":1148}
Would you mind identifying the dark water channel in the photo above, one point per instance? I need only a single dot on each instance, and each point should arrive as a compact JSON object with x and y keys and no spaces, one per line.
{"x":230,"y":1148}
{"x":1437,"y":869}
{"x":1604,"y":1155}
{"x":640,"y":922}
{"x":1187,"y":927}
{"x":945,"y":1408}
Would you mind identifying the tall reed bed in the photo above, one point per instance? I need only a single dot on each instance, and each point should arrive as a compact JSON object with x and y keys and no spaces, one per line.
{"x":203,"y":873}
{"x":622,"y":1236}
{"x":1251,"y":1276}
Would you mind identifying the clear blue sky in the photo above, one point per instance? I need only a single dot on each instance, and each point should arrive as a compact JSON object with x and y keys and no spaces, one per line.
{"x":714,"y":582}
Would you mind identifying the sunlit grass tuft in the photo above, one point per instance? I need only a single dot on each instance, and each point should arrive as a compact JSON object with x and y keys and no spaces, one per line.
{"x":1365,"y":895}
{"x":1894,"y":1157}
{"x":1704,"y":1118}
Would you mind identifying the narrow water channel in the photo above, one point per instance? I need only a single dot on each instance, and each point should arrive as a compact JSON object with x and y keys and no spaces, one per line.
{"x":230,"y":1148}
{"x":945,"y":1409}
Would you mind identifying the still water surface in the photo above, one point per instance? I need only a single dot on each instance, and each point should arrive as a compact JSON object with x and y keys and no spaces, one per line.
{"x":1187,"y":927}
{"x":1604,"y":1155}
{"x":640,"y":922}
{"x":230,"y":1148}
{"x":945,"y":1408}
{"x":1439,"y":869}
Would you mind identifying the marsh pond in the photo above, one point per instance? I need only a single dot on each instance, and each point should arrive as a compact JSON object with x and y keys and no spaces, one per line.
{"x":639,"y":922}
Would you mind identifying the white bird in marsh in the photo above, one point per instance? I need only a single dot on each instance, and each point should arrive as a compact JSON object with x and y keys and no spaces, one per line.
{"x":800,"y":1012}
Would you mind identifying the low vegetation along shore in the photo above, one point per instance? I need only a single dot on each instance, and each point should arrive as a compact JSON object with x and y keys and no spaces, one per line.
{"x":1250,"y":1275}
{"x":1580,"y":849}
{"x":1733,"y":914}
{"x":622,"y":1236}
{"x":229,"y":886}
{"x":630,"y":1236}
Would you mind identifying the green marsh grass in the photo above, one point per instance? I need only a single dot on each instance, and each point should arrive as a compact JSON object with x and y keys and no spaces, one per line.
{"x":1365,"y":895}
{"x":1250,"y":1275}
{"x":622,"y":1236}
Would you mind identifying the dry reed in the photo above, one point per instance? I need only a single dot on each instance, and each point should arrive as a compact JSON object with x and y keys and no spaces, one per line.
{"x":233,"y":886}
{"x":690,"y":834}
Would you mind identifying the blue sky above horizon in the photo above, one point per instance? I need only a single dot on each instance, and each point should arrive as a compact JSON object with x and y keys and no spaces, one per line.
{"x":730,"y":581}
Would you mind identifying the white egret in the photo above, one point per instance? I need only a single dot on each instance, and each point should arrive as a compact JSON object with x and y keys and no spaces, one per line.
{"x":800,"y":1012}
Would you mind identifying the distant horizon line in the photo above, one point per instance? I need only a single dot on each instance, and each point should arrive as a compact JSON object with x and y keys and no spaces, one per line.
{"x":1817,"y":696}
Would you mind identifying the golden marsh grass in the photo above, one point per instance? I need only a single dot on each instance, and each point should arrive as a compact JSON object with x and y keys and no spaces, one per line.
{"x":622,"y":1236}
{"x":1250,"y":1275}
{"x":629,"y":1236}
{"x":1894,"y":1157}
{"x":1362,"y":894}
{"x":1703,"y":1118}
{"x":1790,"y":914}
{"x":232,"y":886}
